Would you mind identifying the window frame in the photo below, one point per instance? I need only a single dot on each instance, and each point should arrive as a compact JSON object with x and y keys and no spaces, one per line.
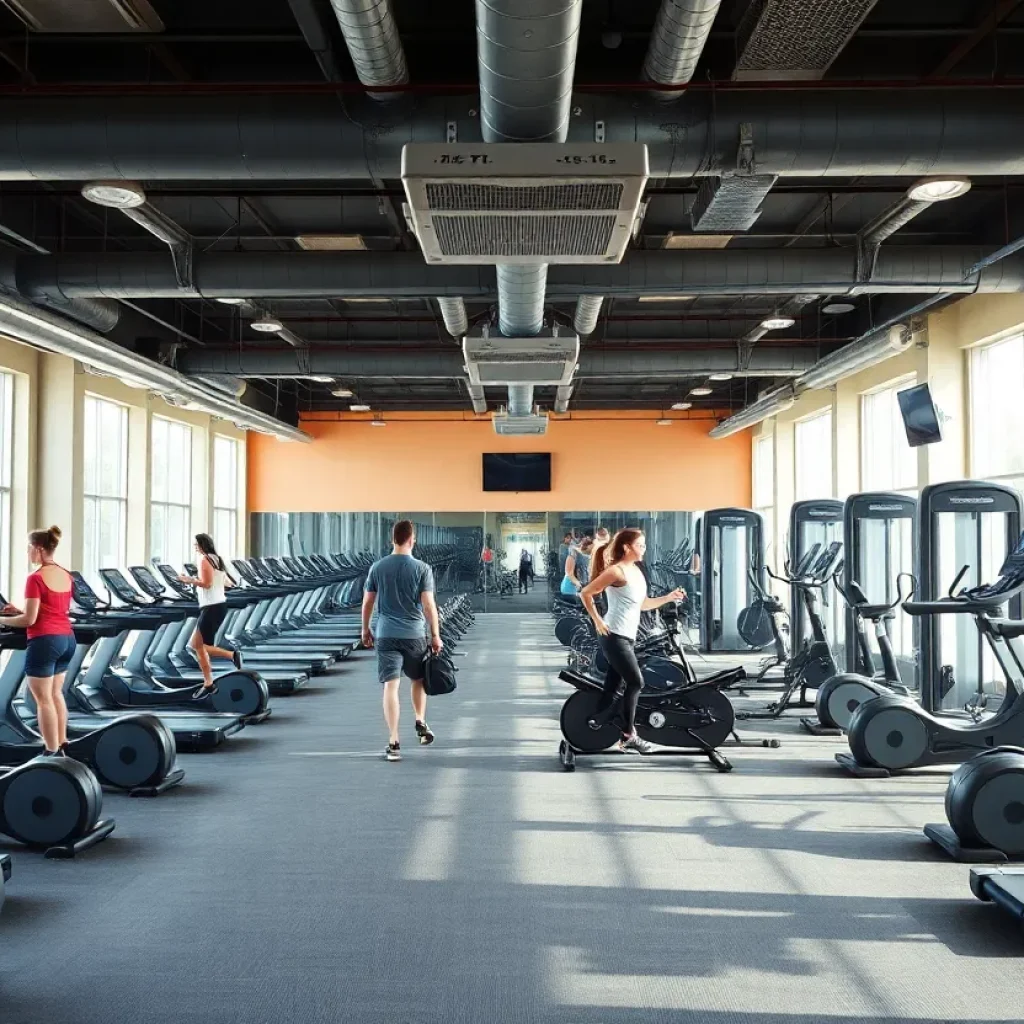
{"x":7,"y":441}
{"x":96,"y":498}
{"x":1013,"y":478}
{"x":895,"y":385}
{"x":828,"y":412}
{"x":183,"y":506}
{"x":227,"y":545}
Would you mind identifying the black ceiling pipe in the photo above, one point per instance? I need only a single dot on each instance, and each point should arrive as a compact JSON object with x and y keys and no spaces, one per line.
{"x":308,"y":138}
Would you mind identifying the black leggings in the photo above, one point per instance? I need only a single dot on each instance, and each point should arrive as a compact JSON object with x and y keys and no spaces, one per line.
{"x":524,"y":577}
{"x":622,"y":668}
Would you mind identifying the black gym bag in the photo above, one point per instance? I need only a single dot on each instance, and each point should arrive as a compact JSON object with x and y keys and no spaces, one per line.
{"x":438,"y":673}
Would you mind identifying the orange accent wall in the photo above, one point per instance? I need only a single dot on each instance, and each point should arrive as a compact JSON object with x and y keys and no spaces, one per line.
{"x":433,"y":463}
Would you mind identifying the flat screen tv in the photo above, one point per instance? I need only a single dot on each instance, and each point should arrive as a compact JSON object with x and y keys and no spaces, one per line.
{"x":920,"y":417}
{"x":517,"y":472}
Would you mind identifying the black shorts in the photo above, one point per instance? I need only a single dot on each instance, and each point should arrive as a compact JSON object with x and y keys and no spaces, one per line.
{"x":211,"y":618}
{"x":49,"y":655}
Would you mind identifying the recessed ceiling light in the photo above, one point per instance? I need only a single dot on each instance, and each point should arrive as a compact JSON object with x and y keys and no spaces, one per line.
{"x":700,"y":391}
{"x":720,"y":376}
{"x":663,"y":423}
{"x":687,"y":241}
{"x":665,"y":298}
{"x":322,"y":380}
{"x":233,"y":302}
{"x":680,"y":406}
{"x":377,"y":423}
{"x":777,"y":323}
{"x":937,"y":190}
{"x":359,"y":408}
{"x":332,"y":243}
{"x":118,"y":195}
{"x":366,"y":298}
{"x":267,"y":325}
{"x":342,"y":392}
{"x":837,"y":308}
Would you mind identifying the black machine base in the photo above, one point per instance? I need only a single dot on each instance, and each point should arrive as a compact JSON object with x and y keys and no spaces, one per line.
{"x":567,"y":755}
{"x":815,"y":728}
{"x":260,"y":716}
{"x":100,"y":831}
{"x":946,"y":839}
{"x":1002,"y":886}
{"x":170,"y":780}
{"x":862,"y":771}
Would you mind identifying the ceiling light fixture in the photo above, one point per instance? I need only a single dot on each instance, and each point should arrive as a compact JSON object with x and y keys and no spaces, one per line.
{"x":342,"y":392}
{"x":233,"y":302}
{"x":777,"y":323}
{"x":332,"y":243}
{"x":267,"y":325}
{"x":720,"y":376}
{"x":665,"y":298}
{"x":700,"y":391}
{"x":674,"y":240}
{"x":938,"y":190}
{"x":377,"y":423}
{"x":663,"y":423}
{"x":838,"y":308}
{"x":359,"y":408}
{"x":680,"y":406}
{"x":322,"y":380}
{"x":117,"y":195}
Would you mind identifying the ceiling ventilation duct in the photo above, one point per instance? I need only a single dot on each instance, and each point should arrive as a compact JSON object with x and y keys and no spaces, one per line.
{"x":729,"y":204}
{"x":527,"y":425}
{"x":680,"y":32}
{"x":86,"y":15}
{"x":371,"y":36}
{"x":524,"y":203}
{"x":795,"y":39}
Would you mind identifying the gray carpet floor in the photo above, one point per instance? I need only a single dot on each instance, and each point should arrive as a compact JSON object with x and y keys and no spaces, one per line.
{"x":296,"y":877}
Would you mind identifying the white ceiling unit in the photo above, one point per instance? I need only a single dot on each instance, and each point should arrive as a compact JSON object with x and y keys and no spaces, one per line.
{"x":545,"y":360}
{"x":523,"y":203}
{"x":86,"y":15}
{"x":519,"y":426}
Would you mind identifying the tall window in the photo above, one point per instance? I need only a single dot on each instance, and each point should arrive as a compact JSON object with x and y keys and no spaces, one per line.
{"x":170,"y":533}
{"x":813,"y":451}
{"x":6,"y":475}
{"x":764,"y":484}
{"x":997,"y":411}
{"x":106,"y":486}
{"x":225,"y":495}
{"x":888,"y":463}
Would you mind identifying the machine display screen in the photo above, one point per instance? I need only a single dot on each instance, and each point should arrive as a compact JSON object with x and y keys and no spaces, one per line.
{"x":523,"y":472}
{"x":920,"y":417}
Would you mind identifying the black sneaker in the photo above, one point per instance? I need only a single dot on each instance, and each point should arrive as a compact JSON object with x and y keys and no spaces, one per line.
{"x":236,"y":658}
{"x":634,"y":742}
{"x":204,"y":691}
{"x":64,"y":750}
{"x":393,"y":752}
{"x":424,"y":733}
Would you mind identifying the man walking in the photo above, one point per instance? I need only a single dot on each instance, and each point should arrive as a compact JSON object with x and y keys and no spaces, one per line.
{"x":402,"y":589}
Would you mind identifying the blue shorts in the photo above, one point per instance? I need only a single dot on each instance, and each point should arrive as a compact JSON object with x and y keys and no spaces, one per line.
{"x":396,"y":656}
{"x":49,"y":655}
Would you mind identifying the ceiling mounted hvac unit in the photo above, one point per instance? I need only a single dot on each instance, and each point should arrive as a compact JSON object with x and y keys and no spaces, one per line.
{"x":523,"y":202}
{"x":547,"y":359}
{"x":86,"y":15}
{"x":519,"y":426}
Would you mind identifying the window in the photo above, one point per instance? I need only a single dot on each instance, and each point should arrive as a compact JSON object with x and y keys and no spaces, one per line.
{"x":888,"y":463}
{"x":997,"y":411}
{"x":225,"y":495}
{"x":813,"y":453}
{"x":6,"y":475}
{"x":764,"y":485}
{"x":105,"y":518}
{"x":170,"y":537}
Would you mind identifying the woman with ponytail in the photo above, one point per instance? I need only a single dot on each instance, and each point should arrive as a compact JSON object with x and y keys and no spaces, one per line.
{"x":51,"y":638}
{"x":617,"y":576}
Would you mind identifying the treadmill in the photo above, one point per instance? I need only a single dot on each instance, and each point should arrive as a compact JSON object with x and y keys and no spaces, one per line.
{"x":1003,"y":886}
{"x":5,"y":875}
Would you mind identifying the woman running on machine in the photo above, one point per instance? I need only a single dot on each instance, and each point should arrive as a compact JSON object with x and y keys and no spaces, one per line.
{"x":51,"y":638}
{"x":618,"y":577}
{"x":210,"y":586}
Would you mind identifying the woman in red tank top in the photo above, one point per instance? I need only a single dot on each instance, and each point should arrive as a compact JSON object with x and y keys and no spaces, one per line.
{"x":51,"y":637}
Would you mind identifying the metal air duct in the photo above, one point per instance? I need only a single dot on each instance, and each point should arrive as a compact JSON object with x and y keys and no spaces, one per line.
{"x":680,"y":31}
{"x":371,"y":36}
{"x":453,"y":312}
{"x":770,"y":405}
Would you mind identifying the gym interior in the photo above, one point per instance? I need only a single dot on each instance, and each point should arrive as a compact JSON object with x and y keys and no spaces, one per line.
{"x":725,"y":299}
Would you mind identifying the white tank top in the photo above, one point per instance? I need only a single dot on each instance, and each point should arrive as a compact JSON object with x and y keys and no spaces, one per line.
{"x":214,"y":593}
{"x":625,"y":603}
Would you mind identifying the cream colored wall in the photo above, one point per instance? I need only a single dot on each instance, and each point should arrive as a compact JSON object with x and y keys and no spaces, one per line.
{"x":49,"y":403}
{"x":940,"y":357}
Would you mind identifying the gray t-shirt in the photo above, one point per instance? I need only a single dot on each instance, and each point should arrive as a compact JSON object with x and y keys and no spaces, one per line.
{"x":398,"y":581}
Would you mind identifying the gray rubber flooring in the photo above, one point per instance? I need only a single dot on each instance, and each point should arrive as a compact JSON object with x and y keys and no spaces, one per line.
{"x":296,"y":877}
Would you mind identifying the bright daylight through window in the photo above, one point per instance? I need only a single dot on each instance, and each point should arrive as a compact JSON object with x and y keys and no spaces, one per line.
{"x":997,"y":411}
{"x":764,"y":484}
{"x":170,"y":537}
{"x":888,"y":463}
{"x":105,"y":518}
{"x":812,"y":441}
{"x":6,"y":476}
{"x":225,"y":495}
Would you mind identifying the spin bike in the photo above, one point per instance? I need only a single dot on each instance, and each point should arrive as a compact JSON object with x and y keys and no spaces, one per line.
{"x":840,"y":696}
{"x":891,"y":732}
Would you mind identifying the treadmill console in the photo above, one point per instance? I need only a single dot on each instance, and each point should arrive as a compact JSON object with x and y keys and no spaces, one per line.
{"x":245,"y":571}
{"x":119,"y":586}
{"x":181,"y":589}
{"x":147,"y":581}
{"x":82,"y":594}
{"x":829,"y":561}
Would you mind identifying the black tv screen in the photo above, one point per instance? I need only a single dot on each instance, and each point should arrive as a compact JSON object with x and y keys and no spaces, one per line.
{"x":522,"y":472}
{"x":920,"y":417}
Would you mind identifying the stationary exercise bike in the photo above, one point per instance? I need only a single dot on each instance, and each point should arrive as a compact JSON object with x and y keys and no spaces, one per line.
{"x":839,"y":696}
{"x":891,"y":732}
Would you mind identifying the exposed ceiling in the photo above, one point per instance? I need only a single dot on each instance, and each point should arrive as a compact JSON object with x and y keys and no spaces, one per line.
{"x":269,"y":170}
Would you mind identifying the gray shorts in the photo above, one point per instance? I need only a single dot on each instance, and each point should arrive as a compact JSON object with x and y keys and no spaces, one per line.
{"x":396,"y":657}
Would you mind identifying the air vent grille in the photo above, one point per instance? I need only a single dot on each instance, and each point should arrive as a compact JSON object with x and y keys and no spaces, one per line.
{"x":475,"y":196}
{"x":548,"y":237}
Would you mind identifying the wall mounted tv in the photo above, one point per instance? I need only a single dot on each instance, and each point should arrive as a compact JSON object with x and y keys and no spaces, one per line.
{"x":517,"y":472}
{"x":920,"y":417}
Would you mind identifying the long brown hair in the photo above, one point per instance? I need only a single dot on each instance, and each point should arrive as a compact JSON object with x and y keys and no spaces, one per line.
{"x":614,"y":551}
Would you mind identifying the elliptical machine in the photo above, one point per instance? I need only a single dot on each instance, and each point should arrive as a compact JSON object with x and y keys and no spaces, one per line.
{"x":893,"y":733}
{"x":839,"y":696}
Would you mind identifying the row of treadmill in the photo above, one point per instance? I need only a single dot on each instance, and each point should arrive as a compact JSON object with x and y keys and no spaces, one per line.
{"x":904,"y":633}
{"x":129,"y":688}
